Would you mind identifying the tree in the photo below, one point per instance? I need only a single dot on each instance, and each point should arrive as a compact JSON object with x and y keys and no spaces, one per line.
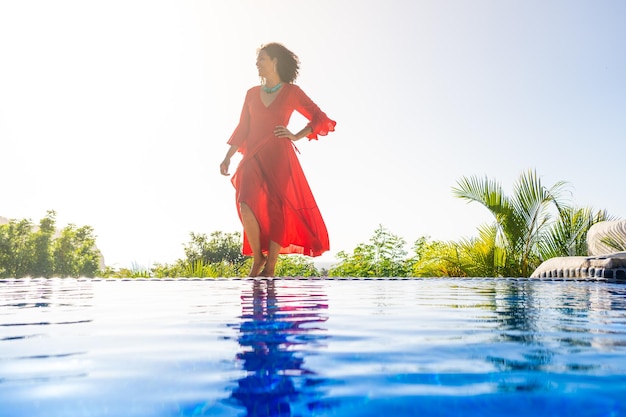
{"x":437,"y":259}
{"x":295,"y":266}
{"x":524,"y":232}
{"x":220,"y":247}
{"x":217,"y":255}
{"x":28,"y":250}
{"x":220,"y":256}
{"x":568,"y":235}
{"x":43,"y":262}
{"x":482,"y":254}
{"x":384,"y":256}
{"x":74,"y":252}
{"x":16,"y":249}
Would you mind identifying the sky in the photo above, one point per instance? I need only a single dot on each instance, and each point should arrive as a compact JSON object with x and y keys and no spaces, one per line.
{"x":116,"y":114}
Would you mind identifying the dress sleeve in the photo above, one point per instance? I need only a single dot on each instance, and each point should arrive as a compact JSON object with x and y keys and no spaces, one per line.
{"x":319,"y":123}
{"x":240,"y":134}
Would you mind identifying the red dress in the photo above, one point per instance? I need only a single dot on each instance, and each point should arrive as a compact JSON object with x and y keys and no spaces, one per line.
{"x":269,"y":178}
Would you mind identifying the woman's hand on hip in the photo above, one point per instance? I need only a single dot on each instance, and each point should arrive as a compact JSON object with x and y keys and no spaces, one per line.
{"x":283,"y":132}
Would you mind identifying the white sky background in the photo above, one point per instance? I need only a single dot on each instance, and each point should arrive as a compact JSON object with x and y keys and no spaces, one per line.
{"x":116,"y":113}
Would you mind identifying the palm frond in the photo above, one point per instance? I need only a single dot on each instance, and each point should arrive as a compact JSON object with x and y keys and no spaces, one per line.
{"x":485,"y":191}
{"x":532,"y":203}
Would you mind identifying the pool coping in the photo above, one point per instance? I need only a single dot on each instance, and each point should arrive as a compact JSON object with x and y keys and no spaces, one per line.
{"x":222,"y":279}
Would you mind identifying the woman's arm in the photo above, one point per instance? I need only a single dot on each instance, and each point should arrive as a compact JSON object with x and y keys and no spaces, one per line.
{"x":319,"y":123}
{"x":239,"y":136}
{"x":283,"y":132}
{"x":226,"y":162}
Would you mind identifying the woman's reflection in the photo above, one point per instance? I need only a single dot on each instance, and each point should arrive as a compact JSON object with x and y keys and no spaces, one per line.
{"x":276,"y":333}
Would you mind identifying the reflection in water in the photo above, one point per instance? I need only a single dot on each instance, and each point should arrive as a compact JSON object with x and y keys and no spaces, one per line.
{"x":36,"y":315}
{"x":543,"y":322}
{"x":276,"y":333}
{"x":416,"y":347}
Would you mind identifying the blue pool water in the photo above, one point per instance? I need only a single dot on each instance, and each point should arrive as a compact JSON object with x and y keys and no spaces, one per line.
{"x":291,"y":347}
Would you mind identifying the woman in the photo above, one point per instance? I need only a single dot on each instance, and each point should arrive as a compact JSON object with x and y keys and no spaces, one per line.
{"x":274,"y":201}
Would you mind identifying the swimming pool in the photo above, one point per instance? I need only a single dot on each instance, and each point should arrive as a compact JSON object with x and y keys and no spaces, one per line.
{"x":312,"y":347}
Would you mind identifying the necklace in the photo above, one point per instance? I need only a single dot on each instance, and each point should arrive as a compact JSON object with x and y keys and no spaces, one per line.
{"x":273,"y":89}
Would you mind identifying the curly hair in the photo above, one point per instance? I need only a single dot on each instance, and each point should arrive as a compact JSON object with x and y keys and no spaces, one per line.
{"x":288,"y":62}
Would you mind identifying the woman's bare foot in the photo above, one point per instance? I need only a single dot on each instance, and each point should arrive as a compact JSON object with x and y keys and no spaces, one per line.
{"x":268,"y":271}
{"x":257,"y":264}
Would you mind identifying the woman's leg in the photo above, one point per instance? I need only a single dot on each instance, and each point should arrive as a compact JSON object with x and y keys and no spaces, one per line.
{"x":253,"y":232}
{"x":272,"y":258}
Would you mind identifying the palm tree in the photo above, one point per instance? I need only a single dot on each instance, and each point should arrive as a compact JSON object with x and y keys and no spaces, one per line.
{"x":483,"y":258}
{"x":522,"y":221}
{"x":568,"y":236}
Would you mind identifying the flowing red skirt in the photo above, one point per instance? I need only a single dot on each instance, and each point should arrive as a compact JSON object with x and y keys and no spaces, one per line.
{"x":271,"y":182}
